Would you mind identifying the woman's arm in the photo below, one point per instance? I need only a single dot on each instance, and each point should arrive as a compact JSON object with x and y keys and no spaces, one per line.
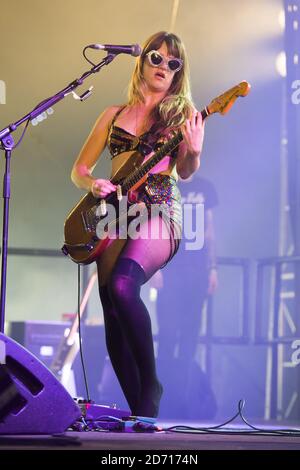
{"x":86,"y":161}
{"x":188,"y":159}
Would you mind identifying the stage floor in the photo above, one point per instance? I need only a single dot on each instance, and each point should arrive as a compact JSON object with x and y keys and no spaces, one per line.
{"x":164,"y":440}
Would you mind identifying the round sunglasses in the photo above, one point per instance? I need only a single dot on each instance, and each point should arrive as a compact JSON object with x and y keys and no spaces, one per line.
{"x":156,"y":59}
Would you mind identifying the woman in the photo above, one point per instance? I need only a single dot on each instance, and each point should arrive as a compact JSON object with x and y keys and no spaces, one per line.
{"x":159,"y":104}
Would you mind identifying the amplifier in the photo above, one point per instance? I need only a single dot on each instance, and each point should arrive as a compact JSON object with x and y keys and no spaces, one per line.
{"x":41,"y":338}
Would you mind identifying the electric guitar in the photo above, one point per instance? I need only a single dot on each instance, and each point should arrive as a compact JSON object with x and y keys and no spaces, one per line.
{"x":82,"y":241}
{"x":69,"y":345}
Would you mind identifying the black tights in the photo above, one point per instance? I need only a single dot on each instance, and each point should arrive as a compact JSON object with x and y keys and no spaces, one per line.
{"x":129,"y":337}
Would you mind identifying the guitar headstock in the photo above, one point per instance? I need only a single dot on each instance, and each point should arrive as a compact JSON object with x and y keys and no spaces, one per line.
{"x":223,"y":103}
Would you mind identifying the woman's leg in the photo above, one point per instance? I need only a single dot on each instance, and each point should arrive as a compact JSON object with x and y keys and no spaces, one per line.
{"x":137,"y":262}
{"x":124,"y":290}
{"x":120,"y":353}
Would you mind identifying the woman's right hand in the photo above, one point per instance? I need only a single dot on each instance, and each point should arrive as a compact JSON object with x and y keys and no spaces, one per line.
{"x":102,"y":187}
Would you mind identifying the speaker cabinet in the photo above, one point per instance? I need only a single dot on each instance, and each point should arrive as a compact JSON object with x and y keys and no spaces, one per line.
{"x":41,"y":405}
{"x":41,"y":338}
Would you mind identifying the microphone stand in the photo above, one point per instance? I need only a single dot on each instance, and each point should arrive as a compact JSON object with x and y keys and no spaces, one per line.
{"x":7,"y":144}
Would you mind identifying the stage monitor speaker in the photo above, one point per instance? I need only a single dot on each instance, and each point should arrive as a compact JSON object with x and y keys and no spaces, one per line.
{"x":39,"y":403}
{"x":9,"y":395}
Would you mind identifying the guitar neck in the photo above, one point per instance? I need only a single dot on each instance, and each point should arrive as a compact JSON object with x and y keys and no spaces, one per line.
{"x":166,"y":149}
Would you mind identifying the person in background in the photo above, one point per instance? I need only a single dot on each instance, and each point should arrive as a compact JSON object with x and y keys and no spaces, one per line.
{"x":184,"y":286}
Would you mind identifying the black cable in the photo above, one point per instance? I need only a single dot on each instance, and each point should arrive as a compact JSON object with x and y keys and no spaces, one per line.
{"x":85,"y":56}
{"x":278,"y":431}
{"x":80,"y":337}
{"x":210,"y":428}
{"x":226,"y":422}
{"x":25,"y":127}
{"x":22,"y":135}
{"x":106,"y":424}
{"x":240,"y":407}
{"x":20,"y":139}
{"x":218,"y":429}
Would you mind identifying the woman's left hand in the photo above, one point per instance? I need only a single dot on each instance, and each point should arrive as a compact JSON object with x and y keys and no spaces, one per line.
{"x":193,"y":133}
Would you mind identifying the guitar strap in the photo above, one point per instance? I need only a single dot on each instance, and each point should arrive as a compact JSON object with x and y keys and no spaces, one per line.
{"x":116,"y":115}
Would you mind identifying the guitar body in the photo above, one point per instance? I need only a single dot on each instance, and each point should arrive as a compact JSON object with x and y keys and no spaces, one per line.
{"x":79,"y":241}
{"x":83,"y":244}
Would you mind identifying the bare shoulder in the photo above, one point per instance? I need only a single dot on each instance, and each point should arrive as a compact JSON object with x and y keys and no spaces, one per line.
{"x":108,"y":113}
{"x":104,"y":120}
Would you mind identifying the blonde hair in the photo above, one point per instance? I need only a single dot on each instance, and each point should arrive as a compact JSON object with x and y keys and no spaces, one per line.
{"x":177,"y":105}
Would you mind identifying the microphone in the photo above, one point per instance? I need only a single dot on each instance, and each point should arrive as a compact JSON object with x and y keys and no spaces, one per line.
{"x":134,"y":49}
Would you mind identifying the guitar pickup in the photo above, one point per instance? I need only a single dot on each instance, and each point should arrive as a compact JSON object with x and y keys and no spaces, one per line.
{"x":119,"y":193}
{"x":103,"y":209}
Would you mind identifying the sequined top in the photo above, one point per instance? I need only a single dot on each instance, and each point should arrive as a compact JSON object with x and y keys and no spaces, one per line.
{"x":159,"y":188}
{"x":119,"y":140}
